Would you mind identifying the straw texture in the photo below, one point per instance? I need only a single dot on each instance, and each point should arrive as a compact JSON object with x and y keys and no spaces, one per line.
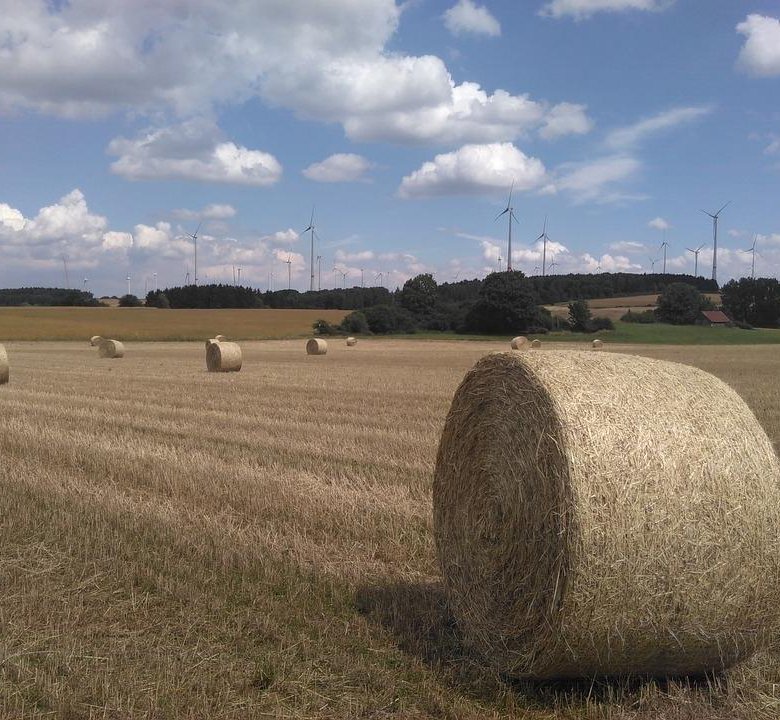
{"x":351,"y":342}
{"x":223,"y":357}
{"x":94,"y":341}
{"x":316,"y":346}
{"x":604,"y":514}
{"x":211,"y":342}
{"x":519,"y":343}
{"x":110,"y":349}
{"x":597,"y":344}
{"x":5,"y":367}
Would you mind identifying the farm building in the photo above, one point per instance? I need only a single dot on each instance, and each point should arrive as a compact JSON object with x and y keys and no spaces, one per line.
{"x":713,"y":318}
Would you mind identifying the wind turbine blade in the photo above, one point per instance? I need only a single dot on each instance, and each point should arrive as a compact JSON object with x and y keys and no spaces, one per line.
{"x":197,"y":228}
{"x":311,"y":221}
{"x":514,"y":216}
{"x":502,"y":213}
{"x":544,"y":228}
{"x":541,"y":237}
{"x":723,"y":208}
{"x":699,"y":248}
{"x":511,"y":188}
{"x":691,"y":250}
{"x":706,"y":213}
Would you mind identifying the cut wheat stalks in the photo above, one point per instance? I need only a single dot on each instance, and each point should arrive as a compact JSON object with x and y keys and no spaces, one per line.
{"x":536,"y":343}
{"x":5,"y":367}
{"x":94,"y":341}
{"x":597,"y":344}
{"x":351,"y":342}
{"x":605,"y":514}
{"x":519,"y":343}
{"x":223,"y":357}
{"x":316,"y":346}
{"x":111,"y":349}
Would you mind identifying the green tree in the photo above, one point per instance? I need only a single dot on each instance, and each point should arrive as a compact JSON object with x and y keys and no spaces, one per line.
{"x":755,"y":301}
{"x":506,"y":304}
{"x":580,"y":318}
{"x":129,"y":301}
{"x":680,"y":304}
{"x":419,"y":294}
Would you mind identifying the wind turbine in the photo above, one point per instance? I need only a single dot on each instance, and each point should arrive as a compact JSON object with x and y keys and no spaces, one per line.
{"x":379,"y":277}
{"x":362,"y":283}
{"x":499,"y":263}
{"x":311,"y":228}
{"x":536,"y":269}
{"x":289,"y":271}
{"x":663,"y":247}
{"x":695,"y":259}
{"x":715,"y":239}
{"x":752,"y":251}
{"x":545,"y":238}
{"x":128,"y":284}
{"x":511,"y":215}
{"x":653,"y":261}
{"x":553,"y":265}
{"x":194,"y":237}
{"x":86,"y":280}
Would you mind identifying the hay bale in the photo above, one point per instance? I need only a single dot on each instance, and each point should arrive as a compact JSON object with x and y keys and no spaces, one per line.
{"x":211,"y":342}
{"x":316,"y":346}
{"x":220,"y":338}
{"x":5,"y":367}
{"x":519,"y":343}
{"x":536,"y":343}
{"x":351,"y":342}
{"x":597,"y":344}
{"x":606,"y":514}
{"x":111,"y":349}
{"x":94,"y":341}
{"x":223,"y":357}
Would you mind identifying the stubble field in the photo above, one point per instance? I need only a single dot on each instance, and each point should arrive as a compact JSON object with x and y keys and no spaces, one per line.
{"x":178,"y":544}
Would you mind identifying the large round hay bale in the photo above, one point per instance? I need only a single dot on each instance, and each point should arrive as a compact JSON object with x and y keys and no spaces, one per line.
{"x":220,"y":338}
{"x":536,"y":343}
{"x":212,"y":341}
{"x":223,"y":357}
{"x":110,"y":349}
{"x":597,"y":344}
{"x":606,"y":514}
{"x":351,"y":341}
{"x":519,"y":343}
{"x":94,"y":341}
{"x":316,"y":346}
{"x":5,"y":367}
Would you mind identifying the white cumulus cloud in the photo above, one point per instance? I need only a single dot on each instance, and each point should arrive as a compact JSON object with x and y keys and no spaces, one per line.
{"x":473,"y":170}
{"x":468,"y":17}
{"x":760,"y":55}
{"x":599,"y":181}
{"x":659,"y":224}
{"x":341,"y":167}
{"x":580,"y":9}
{"x":566,"y":119}
{"x":213,"y":211}
{"x":632,"y":134}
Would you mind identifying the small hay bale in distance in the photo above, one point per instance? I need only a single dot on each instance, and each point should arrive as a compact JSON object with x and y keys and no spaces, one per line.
{"x":519,"y":343}
{"x":351,"y":341}
{"x":597,"y":344}
{"x":5,"y":366}
{"x":316,"y":346}
{"x":94,"y":341}
{"x":223,"y":357}
{"x":220,"y":338}
{"x":606,"y":514}
{"x":536,"y":343}
{"x":112,"y":349}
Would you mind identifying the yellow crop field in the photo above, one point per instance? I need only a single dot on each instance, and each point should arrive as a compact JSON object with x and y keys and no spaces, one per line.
{"x":179,"y":544}
{"x":74,"y":323}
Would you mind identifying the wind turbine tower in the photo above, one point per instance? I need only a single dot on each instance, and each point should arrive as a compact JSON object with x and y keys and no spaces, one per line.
{"x":663,"y":247}
{"x":319,"y":272}
{"x":67,"y":278}
{"x":194,"y":237}
{"x":289,"y":272}
{"x":511,"y":212}
{"x":310,"y":228}
{"x":545,"y":238}
{"x":695,"y":259}
{"x":715,"y":239}
{"x":752,"y":251}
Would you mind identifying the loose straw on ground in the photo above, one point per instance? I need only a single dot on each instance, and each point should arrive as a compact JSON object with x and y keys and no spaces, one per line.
{"x":5,"y":367}
{"x":112,"y":349}
{"x":223,"y":357}
{"x":606,"y":514}
{"x":316,"y":346}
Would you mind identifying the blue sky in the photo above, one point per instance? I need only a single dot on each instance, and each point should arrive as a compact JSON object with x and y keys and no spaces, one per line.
{"x":123,"y":125}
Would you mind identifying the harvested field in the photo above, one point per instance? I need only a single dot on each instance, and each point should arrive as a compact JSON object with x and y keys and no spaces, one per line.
{"x":184,"y":544}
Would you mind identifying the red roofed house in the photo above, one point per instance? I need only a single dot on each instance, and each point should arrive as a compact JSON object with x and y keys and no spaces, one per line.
{"x":714,"y":318}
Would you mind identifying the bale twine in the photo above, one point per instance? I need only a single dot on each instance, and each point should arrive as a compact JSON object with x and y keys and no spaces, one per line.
{"x":5,"y":367}
{"x":223,"y":357}
{"x":536,"y":343}
{"x":605,"y":514}
{"x":351,"y":342}
{"x":519,"y":343}
{"x":316,"y":346}
{"x":94,"y":341}
{"x":597,"y":344}
{"x":111,"y":349}
{"x":220,"y":338}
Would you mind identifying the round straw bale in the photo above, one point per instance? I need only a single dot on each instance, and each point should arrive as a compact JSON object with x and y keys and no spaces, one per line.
{"x":316,"y":346}
{"x":597,"y":344}
{"x":211,"y":342}
{"x":5,"y":368}
{"x":220,"y":338}
{"x":111,"y":349}
{"x":536,"y":343}
{"x":519,"y":343}
{"x":94,"y":341}
{"x":606,"y":514}
{"x":223,"y":357}
{"x":351,"y":342}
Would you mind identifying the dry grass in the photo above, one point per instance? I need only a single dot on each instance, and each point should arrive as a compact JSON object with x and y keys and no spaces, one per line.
{"x":36,"y":323}
{"x":179,"y":544}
